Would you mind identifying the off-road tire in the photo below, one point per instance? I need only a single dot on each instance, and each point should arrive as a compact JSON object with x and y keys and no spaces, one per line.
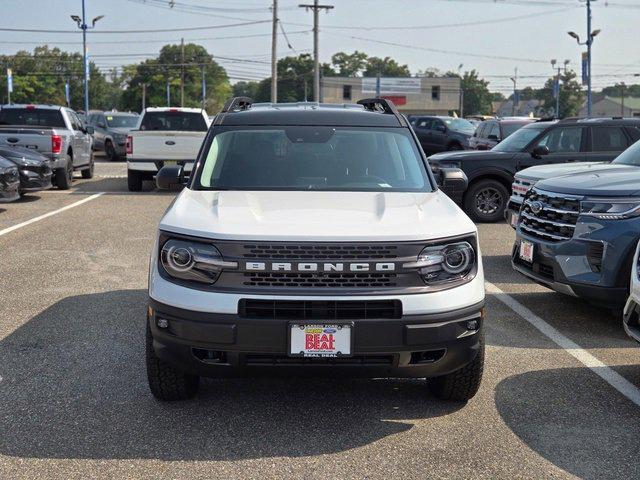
{"x":88,"y":172}
{"x":460,"y":385}
{"x":472,"y":200}
{"x":134,"y":180}
{"x":64,"y":175}
{"x":167,"y":383}
{"x":110,"y":151}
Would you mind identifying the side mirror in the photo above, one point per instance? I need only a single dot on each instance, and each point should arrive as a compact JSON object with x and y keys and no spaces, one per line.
{"x":170,"y":177}
{"x":540,"y":151}
{"x":454,"y":179}
{"x":89,"y":129}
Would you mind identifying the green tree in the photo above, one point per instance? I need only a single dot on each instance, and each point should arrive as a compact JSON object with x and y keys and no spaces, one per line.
{"x":616,"y":90}
{"x":349,"y":64}
{"x":571,"y":95}
{"x":168,"y":68}
{"x":385,"y":67}
{"x":245,"y":89}
{"x":477,"y":98}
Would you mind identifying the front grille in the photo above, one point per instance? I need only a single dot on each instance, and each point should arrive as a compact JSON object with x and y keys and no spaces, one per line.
{"x":319,"y":309}
{"x":551,"y":217}
{"x":283,"y":360}
{"x":327,"y":280}
{"x":320,"y":252}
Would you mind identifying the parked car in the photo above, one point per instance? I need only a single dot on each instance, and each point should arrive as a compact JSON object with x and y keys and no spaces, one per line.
{"x":491,"y":173}
{"x":577,"y":233}
{"x":439,"y":134}
{"x":164,"y":135}
{"x":55,"y":132}
{"x":34,"y":168}
{"x":313,"y":238}
{"x":631,"y":314}
{"x":110,"y":131}
{"x":491,"y":132}
{"x":9,"y":181}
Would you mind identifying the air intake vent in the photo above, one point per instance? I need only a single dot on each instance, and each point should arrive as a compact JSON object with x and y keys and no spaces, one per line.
{"x":319,"y":309}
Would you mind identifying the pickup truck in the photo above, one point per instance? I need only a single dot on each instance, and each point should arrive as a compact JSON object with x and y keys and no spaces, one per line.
{"x":53,"y":131}
{"x":164,"y":136}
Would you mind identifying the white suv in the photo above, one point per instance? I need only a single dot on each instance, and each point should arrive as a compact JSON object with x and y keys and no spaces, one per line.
{"x":313,"y":238}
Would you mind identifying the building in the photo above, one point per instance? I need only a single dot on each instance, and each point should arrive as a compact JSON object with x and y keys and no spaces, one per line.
{"x":613,"y":107}
{"x":412,"y":95}
{"x":524,"y":108}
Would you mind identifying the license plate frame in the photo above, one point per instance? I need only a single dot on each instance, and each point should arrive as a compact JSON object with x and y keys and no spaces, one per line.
{"x":294,"y":349}
{"x":526,"y":251}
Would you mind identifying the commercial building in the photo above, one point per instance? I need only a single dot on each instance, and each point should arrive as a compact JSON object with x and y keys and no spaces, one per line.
{"x":412,"y":95}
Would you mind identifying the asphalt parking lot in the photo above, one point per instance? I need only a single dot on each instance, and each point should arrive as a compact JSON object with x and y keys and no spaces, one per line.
{"x":560,"y":397}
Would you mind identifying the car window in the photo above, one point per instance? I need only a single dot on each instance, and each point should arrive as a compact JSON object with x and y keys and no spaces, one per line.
{"x":75,"y":125}
{"x":121,"y":121}
{"x":44,"y":117}
{"x":563,"y":140}
{"x":171,"y":120}
{"x":608,"y":139}
{"x":482,"y":130}
{"x":424,"y":123}
{"x":495,"y":130}
{"x":312,"y":158}
{"x":509,"y":128}
{"x":520,"y":139}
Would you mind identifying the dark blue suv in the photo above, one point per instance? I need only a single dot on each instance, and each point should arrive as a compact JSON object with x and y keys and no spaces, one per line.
{"x":577,"y":233}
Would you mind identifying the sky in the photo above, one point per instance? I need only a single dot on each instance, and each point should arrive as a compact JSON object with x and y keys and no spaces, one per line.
{"x":493,"y":37}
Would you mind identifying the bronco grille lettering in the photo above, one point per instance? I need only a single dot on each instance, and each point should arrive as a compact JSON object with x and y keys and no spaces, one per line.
{"x":324,"y":267}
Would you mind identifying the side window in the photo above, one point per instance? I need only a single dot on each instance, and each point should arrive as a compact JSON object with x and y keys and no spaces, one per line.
{"x":424,"y":123}
{"x":482,"y":130}
{"x":495,"y":130}
{"x":608,"y":139}
{"x":563,"y":140}
{"x":438,"y":125}
{"x":346,"y":92}
{"x":75,"y":124}
{"x":435,"y":92}
{"x":634,"y":132}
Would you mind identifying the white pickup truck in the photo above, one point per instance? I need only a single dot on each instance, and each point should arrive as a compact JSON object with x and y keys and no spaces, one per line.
{"x":164,"y":136}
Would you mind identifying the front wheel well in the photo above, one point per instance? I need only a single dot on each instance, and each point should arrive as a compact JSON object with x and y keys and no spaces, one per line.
{"x":497,"y":178}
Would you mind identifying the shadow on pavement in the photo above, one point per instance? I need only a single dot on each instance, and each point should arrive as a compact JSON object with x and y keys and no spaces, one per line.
{"x":113,"y":186}
{"x":75,"y":387}
{"x":28,"y":198}
{"x":574,"y":420}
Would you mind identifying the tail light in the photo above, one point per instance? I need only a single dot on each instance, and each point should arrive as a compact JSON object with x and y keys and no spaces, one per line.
{"x":129,"y":146}
{"x":56,"y":144}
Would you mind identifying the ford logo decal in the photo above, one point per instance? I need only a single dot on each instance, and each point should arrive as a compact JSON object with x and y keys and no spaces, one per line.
{"x":536,"y":207}
{"x":329,"y":330}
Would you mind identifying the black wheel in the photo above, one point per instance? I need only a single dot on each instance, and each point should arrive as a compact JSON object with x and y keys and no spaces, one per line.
{"x":486,"y":200}
{"x":64,"y":175}
{"x":460,"y":385}
{"x":167,"y":383}
{"x":88,"y":172}
{"x":134,"y":180}
{"x":110,"y":151}
{"x":454,"y":146}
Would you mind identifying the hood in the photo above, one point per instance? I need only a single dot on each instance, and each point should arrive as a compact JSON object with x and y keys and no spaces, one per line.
{"x":609,"y":180}
{"x":122,"y":130}
{"x":17,"y":154}
{"x":313,"y":216}
{"x":469,"y":155}
{"x":541,"y":172}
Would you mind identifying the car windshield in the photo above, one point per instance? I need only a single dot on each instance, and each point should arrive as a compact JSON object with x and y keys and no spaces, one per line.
{"x":174,"y":121}
{"x":518,"y":140}
{"x":36,"y":117}
{"x":312,"y":158}
{"x":631,"y":156}
{"x":511,"y":127}
{"x":122,"y":121}
{"x":460,"y":125}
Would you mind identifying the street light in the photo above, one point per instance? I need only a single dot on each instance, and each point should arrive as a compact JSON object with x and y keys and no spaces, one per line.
{"x":591,"y":34}
{"x":82,"y":25}
{"x":556,"y":85}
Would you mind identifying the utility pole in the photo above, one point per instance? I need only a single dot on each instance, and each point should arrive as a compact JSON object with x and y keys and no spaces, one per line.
{"x":204,"y":88}
{"x":274,"y":52}
{"x":622,"y":88}
{"x":514,"y":79}
{"x":316,"y":57}
{"x":144,"y":96}
{"x":82,"y":25}
{"x":168,"y":93}
{"x":589,"y":42}
{"x":556,"y":83}
{"x":182,"y":72}
{"x":461,"y":91}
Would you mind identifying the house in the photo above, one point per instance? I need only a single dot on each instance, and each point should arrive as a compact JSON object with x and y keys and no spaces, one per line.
{"x":613,"y":107}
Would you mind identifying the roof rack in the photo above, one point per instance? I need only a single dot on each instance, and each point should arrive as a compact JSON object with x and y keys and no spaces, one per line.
{"x":237,"y":104}
{"x":382,"y":105}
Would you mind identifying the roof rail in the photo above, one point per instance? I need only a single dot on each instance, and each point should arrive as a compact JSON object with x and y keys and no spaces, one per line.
{"x":237,"y":104}
{"x":382,"y":105}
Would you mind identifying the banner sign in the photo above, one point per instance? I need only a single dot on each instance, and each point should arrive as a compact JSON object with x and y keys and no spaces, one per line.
{"x":9,"y":80}
{"x":585,"y":68}
{"x":391,"y":85}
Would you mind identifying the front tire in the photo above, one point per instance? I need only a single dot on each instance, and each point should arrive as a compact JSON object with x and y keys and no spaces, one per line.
{"x":110,"y":151}
{"x":460,"y":385}
{"x":485,"y":201}
{"x":134,"y":180}
{"x":64,"y":175}
{"x":167,"y":383}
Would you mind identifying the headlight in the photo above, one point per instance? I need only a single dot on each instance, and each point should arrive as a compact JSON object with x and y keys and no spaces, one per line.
{"x":193,"y":261}
{"x":26,"y":162}
{"x":447,"y":263}
{"x":611,"y":209}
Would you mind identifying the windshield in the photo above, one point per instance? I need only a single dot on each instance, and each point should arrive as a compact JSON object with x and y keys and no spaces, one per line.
{"x":631,"y":156}
{"x":518,"y":140}
{"x":122,"y":121}
{"x":509,"y":128}
{"x":32,"y":116}
{"x":312,"y":158}
{"x":174,"y":121}
{"x":460,"y":125}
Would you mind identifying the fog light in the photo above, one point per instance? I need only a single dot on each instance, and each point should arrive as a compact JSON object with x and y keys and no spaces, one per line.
{"x":162,"y":322}
{"x":472,"y":325}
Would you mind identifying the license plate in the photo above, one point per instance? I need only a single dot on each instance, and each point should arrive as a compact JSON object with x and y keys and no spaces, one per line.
{"x":320,"y":340}
{"x":514,"y":219}
{"x":526,"y":251}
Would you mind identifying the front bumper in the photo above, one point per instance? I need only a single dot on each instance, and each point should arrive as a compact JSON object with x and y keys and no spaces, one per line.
{"x":512,"y":210}
{"x":9,"y":192}
{"x":594,"y":265}
{"x":212,"y":344}
{"x":31,"y":181}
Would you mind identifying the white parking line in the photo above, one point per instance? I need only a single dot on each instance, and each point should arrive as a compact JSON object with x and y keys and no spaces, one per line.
{"x":605,"y":372}
{"x":49,"y":214}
